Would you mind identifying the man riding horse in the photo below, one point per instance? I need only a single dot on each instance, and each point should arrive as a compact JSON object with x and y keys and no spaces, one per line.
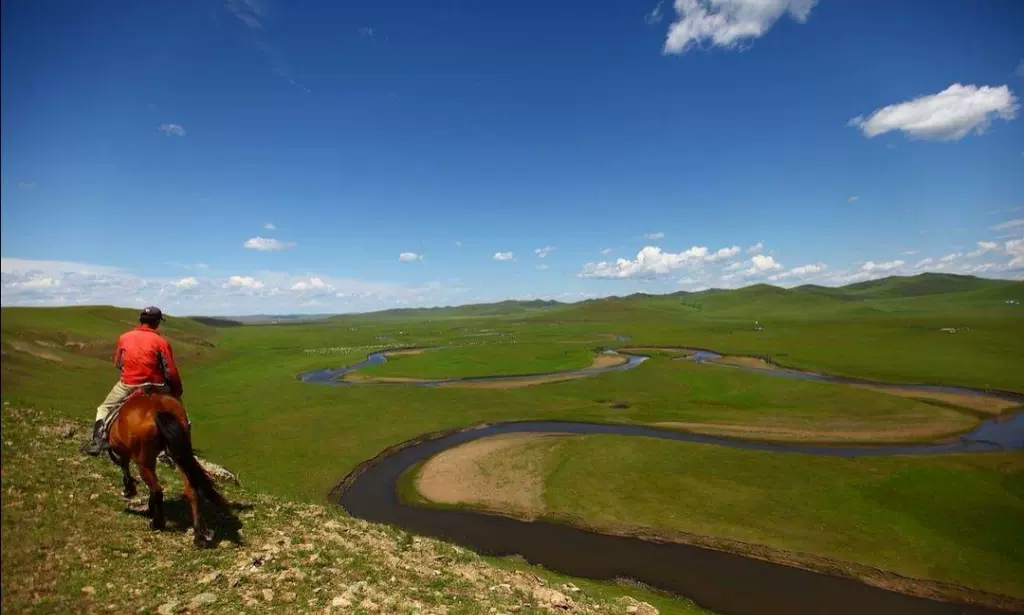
{"x":145,"y":359}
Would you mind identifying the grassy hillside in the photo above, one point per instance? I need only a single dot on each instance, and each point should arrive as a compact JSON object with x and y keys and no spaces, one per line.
{"x":72,"y":545}
{"x":64,"y":355}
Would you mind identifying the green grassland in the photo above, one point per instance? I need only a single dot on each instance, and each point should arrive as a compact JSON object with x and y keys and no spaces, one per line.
{"x":297,"y":440}
{"x":484,"y":360}
{"x":953,"y":518}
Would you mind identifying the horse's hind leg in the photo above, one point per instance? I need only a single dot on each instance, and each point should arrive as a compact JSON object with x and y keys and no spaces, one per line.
{"x":147,"y":469}
{"x":126,"y":474}
{"x":202,"y":535}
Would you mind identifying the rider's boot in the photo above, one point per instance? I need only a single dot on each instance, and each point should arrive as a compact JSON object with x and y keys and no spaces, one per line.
{"x":98,"y":444}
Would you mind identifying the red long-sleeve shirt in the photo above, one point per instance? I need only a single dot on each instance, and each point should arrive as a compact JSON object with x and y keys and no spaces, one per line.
{"x":143,"y":355}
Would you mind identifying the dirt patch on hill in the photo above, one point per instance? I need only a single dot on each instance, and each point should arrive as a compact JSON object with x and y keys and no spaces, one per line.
{"x":988,"y":405}
{"x":34,"y":351}
{"x":503,"y":473}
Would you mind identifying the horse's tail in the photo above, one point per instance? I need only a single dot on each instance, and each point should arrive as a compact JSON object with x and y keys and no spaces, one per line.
{"x":179,"y":446}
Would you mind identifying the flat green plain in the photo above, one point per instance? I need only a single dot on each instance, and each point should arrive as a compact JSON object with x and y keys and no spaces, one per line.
{"x":504,"y":359}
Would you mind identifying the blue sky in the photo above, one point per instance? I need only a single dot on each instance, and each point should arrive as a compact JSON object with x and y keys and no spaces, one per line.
{"x":241,"y":156}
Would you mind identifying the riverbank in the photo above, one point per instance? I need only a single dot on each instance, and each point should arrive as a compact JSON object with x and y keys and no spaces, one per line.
{"x":817,"y":513}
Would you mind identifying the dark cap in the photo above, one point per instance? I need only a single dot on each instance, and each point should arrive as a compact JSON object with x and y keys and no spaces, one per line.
{"x":151,"y":313}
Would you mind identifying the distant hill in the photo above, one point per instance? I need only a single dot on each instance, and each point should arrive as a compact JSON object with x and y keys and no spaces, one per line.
{"x":922,"y":284}
{"x":212,"y":321}
{"x":501,"y":308}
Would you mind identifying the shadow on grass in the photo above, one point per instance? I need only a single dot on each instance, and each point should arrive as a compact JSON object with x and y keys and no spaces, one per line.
{"x":224,"y":522}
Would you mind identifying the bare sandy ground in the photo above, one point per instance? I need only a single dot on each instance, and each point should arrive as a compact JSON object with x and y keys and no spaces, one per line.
{"x":795,"y":434}
{"x":29,"y":349}
{"x":989,"y":405}
{"x":482,"y":473}
{"x":607,"y":360}
{"x":404,"y":353}
{"x":755,"y":362}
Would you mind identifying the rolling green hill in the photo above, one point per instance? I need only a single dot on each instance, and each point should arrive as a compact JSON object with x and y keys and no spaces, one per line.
{"x":50,"y":353}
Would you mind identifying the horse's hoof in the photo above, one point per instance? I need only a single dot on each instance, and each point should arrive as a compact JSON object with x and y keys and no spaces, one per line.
{"x":157,"y":523}
{"x":203,"y":539}
{"x":130,"y":493}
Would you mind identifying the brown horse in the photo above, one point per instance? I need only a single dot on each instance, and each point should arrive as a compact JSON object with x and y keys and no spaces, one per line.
{"x":147,"y":424}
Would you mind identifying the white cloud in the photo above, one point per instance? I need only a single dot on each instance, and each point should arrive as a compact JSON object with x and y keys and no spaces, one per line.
{"x":244,"y":281}
{"x":735,"y":266}
{"x":458,"y":244}
{"x":949,"y":115}
{"x":543,"y":252}
{"x":607,"y":251}
{"x":34,"y":283}
{"x":266,"y":244}
{"x":269,"y":226}
{"x":983,"y":247}
{"x":313,"y":283}
{"x":853,"y":199}
{"x":728,"y":23}
{"x":722,"y":254}
{"x":542,"y":267}
{"x":655,"y":15}
{"x":925,"y":262}
{"x":366,"y":32}
{"x":47,"y":283}
{"x":252,"y":13}
{"x":757,"y":248}
{"x":949,"y":258}
{"x":800,"y":272}
{"x":761,"y":263}
{"x":1009,"y":224}
{"x":1015,"y":248}
{"x":656,"y":235}
{"x":650,"y":262}
{"x":503,"y":256}
{"x":172,"y":130}
{"x":408,"y":257}
{"x":871,"y":266}
{"x":910,"y":253}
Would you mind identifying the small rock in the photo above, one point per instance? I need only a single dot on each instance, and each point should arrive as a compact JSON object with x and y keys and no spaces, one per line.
{"x":636,"y":607}
{"x":166,"y":608}
{"x":89,"y":590}
{"x":268,"y":594}
{"x":201,"y":599}
{"x":369,"y":605}
{"x":289,"y":597}
{"x":210,"y":578}
{"x":341,"y":601}
{"x":552,"y":598}
{"x":569,"y":587}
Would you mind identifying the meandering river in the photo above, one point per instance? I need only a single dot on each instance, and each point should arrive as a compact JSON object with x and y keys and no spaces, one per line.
{"x":724,"y":582}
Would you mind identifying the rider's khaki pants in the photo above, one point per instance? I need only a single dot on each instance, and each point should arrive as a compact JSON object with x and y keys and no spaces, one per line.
{"x":107,"y":411}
